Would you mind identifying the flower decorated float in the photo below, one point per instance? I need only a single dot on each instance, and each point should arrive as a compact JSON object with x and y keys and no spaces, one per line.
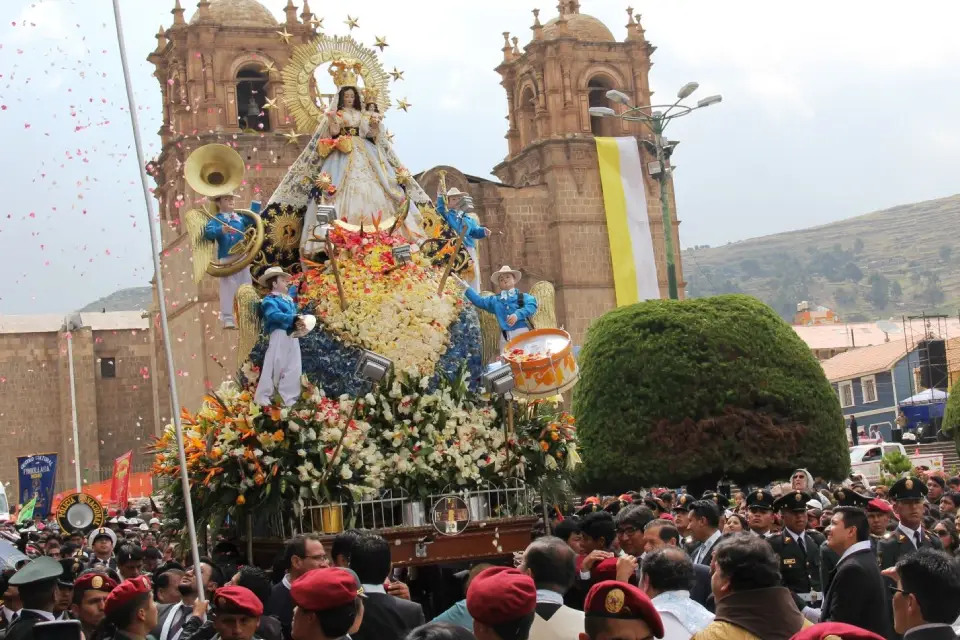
{"x":427,"y":444}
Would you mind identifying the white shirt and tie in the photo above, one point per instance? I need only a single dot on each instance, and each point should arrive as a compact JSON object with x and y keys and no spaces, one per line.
{"x":913,"y":535}
{"x":172,"y":627}
{"x":564,"y":624}
{"x":701,"y":553}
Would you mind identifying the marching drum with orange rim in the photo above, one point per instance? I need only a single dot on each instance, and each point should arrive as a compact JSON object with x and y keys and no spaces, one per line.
{"x":543,"y":363}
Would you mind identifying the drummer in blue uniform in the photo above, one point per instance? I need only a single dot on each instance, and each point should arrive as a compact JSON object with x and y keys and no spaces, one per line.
{"x":512,"y":308}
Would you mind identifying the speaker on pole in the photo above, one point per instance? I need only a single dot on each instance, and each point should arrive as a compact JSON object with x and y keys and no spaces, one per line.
{"x":933,"y":364}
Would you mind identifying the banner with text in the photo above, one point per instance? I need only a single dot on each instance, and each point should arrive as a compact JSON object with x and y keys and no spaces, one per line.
{"x":38,"y":474}
{"x":628,"y":223}
{"x":120,"y":486}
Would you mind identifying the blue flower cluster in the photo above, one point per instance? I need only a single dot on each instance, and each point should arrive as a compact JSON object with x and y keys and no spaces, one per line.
{"x":330,"y":363}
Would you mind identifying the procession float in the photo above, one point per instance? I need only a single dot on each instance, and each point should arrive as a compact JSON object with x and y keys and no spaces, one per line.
{"x":391,"y":403}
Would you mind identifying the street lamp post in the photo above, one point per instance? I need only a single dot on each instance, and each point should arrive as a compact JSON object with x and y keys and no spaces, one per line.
{"x":657,"y":117}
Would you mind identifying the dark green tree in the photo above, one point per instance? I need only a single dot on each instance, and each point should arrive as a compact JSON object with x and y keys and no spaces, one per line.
{"x":879,"y":294}
{"x":896,"y":291}
{"x":689,"y":392}
{"x":852,"y":272}
{"x":857,"y":245}
{"x":945,"y":252}
{"x":951,"y":414}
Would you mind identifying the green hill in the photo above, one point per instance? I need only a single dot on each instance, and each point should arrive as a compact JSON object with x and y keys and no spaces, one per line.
{"x":887,"y":263}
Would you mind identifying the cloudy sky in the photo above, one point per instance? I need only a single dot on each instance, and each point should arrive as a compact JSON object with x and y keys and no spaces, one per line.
{"x":830,"y":110}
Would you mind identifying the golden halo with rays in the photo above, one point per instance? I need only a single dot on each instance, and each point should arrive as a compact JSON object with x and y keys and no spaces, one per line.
{"x":304,"y":61}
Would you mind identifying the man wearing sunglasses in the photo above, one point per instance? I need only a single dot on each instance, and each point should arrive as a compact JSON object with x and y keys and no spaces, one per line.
{"x":926,"y":595}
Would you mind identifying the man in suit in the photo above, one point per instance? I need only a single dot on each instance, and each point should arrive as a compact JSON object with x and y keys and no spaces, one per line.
{"x":301,"y":555}
{"x":552,"y":565}
{"x":927,"y":597}
{"x":907,"y":495}
{"x":704,"y":525}
{"x":661,"y":534}
{"x":857,"y":593}
{"x":385,"y":617}
{"x":798,"y":549}
{"x":37,"y":582}
{"x":172,"y":617}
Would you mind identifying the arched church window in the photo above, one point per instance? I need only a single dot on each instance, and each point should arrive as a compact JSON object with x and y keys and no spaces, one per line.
{"x":251,"y":99}
{"x":598,"y":87}
{"x":528,"y":123}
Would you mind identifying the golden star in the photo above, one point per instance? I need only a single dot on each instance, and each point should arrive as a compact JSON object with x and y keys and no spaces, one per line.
{"x":397,"y":74}
{"x":403,"y":104}
{"x":381,"y":43}
{"x":292,"y":138}
{"x":316,"y":23}
{"x":285,"y":36}
{"x":351,"y":22}
{"x":270,"y":104}
{"x":390,"y":137}
{"x":269,"y":67}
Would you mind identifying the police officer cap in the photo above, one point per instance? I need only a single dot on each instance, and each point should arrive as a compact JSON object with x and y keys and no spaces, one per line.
{"x":683,"y":502}
{"x":909,"y":488}
{"x":722,"y":501}
{"x":850,"y":498}
{"x":760,"y":498}
{"x":793,"y":501}
{"x":42,"y":569}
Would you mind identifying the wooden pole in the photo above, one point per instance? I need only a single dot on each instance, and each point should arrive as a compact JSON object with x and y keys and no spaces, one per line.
{"x":332,"y":254}
{"x":250,"y":538}
{"x":453,"y":256}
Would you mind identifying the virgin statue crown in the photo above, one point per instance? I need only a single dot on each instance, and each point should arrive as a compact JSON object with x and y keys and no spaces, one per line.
{"x":345,"y":72}
{"x":370,"y":94}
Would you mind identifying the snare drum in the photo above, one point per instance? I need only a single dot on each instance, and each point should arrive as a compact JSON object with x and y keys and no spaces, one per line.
{"x":543,"y":363}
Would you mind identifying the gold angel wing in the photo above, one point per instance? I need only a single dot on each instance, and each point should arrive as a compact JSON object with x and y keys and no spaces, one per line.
{"x":247,"y":313}
{"x":489,"y":333}
{"x":204,"y":250}
{"x":546,"y":315}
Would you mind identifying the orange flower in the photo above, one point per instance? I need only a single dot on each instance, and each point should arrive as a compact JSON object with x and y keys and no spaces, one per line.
{"x":554,"y":436}
{"x":259,"y":478}
{"x":278,"y":435}
{"x":545,"y":445}
{"x":241,"y":500}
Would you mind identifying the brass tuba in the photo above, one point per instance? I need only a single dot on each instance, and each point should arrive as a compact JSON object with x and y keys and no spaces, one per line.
{"x":214,"y":170}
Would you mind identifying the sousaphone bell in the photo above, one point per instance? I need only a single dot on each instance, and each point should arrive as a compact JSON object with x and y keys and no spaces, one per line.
{"x":80,"y":512}
{"x":215,"y":170}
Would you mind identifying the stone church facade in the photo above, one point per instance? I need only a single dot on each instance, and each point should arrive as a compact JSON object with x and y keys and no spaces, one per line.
{"x":219,"y":76}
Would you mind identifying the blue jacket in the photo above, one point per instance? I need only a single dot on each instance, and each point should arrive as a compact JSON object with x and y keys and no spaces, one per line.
{"x":225,"y":238}
{"x":279,"y":312}
{"x":473,"y":232}
{"x":504,"y":304}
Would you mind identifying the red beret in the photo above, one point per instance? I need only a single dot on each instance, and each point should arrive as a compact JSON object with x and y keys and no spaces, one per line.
{"x":592,"y":500}
{"x":234,"y":599}
{"x":501,"y":594}
{"x":881,"y":505}
{"x":322,"y":589}
{"x":604,"y":570}
{"x":94,"y":582}
{"x":125,"y":592}
{"x":835,"y":631}
{"x":612,"y":599}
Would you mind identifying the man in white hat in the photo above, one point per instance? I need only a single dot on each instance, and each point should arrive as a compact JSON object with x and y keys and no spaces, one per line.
{"x":281,"y":365}
{"x":512,"y":308}
{"x":227,"y":229}
{"x":102,"y":541}
{"x":456,"y":207}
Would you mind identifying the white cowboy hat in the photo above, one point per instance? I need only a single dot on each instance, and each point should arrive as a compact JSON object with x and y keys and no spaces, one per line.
{"x":453,"y":191}
{"x":270,"y":273}
{"x":495,"y":276}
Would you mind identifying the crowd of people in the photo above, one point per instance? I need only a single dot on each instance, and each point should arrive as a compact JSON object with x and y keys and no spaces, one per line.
{"x":800,"y":560}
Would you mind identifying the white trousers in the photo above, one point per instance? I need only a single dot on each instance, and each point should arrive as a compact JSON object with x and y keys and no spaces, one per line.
{"x":281,"y":370}
{"x":228,"y":291}
{"x":475,"y":281}
{"x":513,"y":333}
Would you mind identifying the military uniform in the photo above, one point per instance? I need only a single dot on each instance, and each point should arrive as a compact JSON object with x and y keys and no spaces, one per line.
{"x":683,"y":505}
{"x":38,"y":574}
{"x":799,"y":559}
{"x":760,"y":499}
{"x":722,"y":501}
{"x":890,"y":550}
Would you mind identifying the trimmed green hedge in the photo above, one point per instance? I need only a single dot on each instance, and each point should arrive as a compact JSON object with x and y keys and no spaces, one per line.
{"x":951,"y":414}
{"x":686,"y":392}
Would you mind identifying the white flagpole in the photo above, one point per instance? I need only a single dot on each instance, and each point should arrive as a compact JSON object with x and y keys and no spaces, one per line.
{"x":148,"y":201}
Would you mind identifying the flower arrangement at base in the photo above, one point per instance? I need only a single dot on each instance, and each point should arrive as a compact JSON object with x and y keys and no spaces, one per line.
{"x":243,"y":459}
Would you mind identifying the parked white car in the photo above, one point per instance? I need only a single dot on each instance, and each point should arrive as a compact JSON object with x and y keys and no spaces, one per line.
{"x":865,"y":459}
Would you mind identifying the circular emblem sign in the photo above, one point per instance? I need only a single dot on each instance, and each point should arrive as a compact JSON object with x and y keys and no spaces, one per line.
{"x":451,"y":515}
{"x":78,"y":511}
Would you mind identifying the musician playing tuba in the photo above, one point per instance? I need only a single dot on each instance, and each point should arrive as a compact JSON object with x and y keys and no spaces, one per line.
{"x":227,"y":229}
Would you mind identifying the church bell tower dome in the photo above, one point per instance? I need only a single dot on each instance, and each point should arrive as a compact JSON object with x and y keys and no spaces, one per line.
{"x":238,"y":13}
{"x":579,"y":25}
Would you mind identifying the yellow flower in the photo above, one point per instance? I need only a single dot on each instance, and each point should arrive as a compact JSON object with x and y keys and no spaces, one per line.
{"x":278,"y":435}
{"x":241,"y":500}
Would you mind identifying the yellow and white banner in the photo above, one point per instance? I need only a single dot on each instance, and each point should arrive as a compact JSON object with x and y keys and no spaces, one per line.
{"x":625,"y":201}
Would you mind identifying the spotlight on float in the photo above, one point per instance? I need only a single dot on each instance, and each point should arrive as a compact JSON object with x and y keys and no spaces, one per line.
{"x":373,"y":366}
{"x":401,"y":254}
{"x":498,"y":379}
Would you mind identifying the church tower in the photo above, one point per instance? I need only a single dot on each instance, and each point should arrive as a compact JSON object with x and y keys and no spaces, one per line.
{"x":552,"y":212}
{"x":219,"y":76}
